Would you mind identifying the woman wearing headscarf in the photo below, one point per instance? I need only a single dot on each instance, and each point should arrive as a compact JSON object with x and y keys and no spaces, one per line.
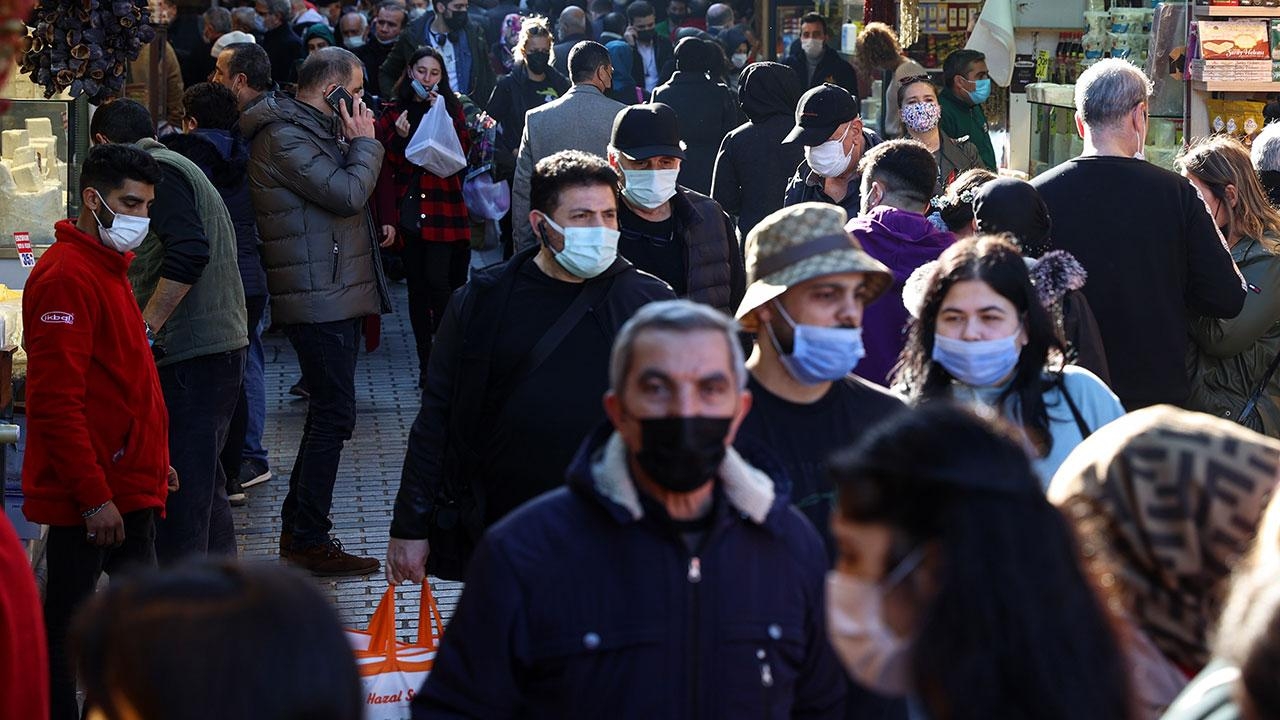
{"x":737,"y":48}
{"x":705,"y":108}
{"x":753,"y":166}
{"x":1164,"y":502}
{"x":1233,"y":362}
{"x":317,"y":36}
{"x":1009,"y":205}
{"x":624,"y":89}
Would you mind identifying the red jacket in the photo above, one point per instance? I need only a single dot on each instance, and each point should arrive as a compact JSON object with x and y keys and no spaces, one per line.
{"x":97,"y":427}
{"x":24,"y":658}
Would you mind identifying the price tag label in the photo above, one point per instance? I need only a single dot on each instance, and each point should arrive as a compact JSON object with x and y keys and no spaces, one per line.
{"x":26,"y":256}
{"x":1042,"y":65}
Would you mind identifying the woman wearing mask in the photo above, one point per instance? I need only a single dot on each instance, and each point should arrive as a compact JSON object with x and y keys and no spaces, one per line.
{"x":920,"y":114}
{"x":982,"y":337}
{"x":531,"y":82}
{"x":425,"y":210}
{"x":958,"y":585}
{"x":737,"y":48}
{"x":706,"y":109}
{"x":1231,"y":359}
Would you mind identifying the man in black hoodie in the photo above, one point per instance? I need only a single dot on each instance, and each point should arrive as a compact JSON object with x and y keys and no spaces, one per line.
{"x":753,"y":165}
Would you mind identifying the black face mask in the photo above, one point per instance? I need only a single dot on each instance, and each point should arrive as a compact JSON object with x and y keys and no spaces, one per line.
{"x":646,"y":36}
{"x":456,"y":20}
{"x":674,"y":19}
{"x":682,"y":453}
{"x":537,"y":61}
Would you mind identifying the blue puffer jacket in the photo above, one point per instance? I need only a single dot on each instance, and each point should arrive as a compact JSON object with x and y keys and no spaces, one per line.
{"x":587,"y":603}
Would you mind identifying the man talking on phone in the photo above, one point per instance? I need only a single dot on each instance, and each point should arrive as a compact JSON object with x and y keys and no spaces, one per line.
{"x":313,"y":165}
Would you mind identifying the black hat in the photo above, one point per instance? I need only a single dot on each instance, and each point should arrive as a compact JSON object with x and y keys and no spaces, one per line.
{"x":820,"y":111}
{"x":647,"y":130}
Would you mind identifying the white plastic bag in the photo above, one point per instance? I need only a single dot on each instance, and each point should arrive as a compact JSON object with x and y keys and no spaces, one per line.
{"x":486,"y":199}
{"x":434,"y":146}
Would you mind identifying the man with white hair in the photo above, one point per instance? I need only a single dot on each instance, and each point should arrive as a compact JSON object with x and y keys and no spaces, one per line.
{"x":1266,"y":160}
{"x":1154,"y":257}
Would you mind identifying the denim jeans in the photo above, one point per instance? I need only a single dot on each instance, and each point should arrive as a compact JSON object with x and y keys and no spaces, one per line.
{"x":237,"y":433}
{"x":74,"y":567}
{"x":201,"y":394}
{"x":255,"y":392}
{"x":327,"y":354}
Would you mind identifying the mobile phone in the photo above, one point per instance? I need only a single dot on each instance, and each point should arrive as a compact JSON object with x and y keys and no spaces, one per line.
{"x":340,"y":95}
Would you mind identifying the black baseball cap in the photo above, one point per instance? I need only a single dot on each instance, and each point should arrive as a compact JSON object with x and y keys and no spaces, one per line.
{"x":647,"y":130}
{"x":820,"y":111}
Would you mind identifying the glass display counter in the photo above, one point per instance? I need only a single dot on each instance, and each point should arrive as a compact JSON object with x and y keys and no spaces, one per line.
{"x":1054,"y":139}
{"x":42,"y":143}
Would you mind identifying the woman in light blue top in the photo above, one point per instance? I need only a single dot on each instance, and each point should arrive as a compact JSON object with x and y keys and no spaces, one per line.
{"x":982,"y":337}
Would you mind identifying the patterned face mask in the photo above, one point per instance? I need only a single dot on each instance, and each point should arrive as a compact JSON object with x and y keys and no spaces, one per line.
{"x":921,"y":117}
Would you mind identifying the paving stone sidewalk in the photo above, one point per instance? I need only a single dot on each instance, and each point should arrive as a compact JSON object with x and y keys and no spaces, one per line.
{"x":387,"y":402}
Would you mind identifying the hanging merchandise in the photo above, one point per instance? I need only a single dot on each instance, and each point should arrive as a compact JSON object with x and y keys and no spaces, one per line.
{"x":85,"y":46}
{"x":909,"y":31}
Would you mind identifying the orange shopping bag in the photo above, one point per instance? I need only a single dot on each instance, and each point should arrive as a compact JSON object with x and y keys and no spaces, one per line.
{"x":392,"y":672}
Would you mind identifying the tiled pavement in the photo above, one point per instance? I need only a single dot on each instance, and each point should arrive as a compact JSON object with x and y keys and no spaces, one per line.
{"x":387,"y":401}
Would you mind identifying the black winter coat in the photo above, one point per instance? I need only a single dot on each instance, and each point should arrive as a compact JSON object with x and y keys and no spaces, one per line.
{"x":806,"y":185}
{"x":508,"y":106}
{"x":707,"y":112}
{"x":587,"y":603}
{"x":449,"y":444}
{"x":832,"y":68}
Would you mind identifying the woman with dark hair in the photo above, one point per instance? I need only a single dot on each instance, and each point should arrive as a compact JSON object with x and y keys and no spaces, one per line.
{"x":706,"y":109}
{"x":426,"y":210}
{"x":1232,"y":361}
{"x":959,"y":585}
{"x":954,"y":208}
{"x":213,"y":640}
{"x":920,"y":114}
{"x":981,"y":336}
{"x":1165,"y":502}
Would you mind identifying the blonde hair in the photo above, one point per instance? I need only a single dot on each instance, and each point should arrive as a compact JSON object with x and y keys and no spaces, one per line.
{"x":1218,"y":161}
{"x":530,"y":27}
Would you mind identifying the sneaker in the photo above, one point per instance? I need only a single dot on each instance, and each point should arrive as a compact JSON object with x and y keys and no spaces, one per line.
{"x":330,"y":560}
{"x":235,"y":493}
{"x":253,"y":473}
{"x":299,"y":389}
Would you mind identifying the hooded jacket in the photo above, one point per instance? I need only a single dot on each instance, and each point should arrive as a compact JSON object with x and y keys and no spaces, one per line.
{"x":904,"y":241}
{"x":311,"y":191}
{"x":587,"y":602}
{"x":707,"y":113}
{"x":753,"y":165}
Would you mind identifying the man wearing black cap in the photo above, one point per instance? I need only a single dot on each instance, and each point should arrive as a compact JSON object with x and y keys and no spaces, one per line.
{"x":829,"y":125}
{"x":670,"y":231}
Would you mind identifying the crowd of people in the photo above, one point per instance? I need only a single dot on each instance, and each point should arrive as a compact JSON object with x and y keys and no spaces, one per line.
{"x":765,"y":412}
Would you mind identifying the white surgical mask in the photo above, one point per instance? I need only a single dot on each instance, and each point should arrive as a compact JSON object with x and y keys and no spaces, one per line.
{"x":126,"y":232}
{"x":977,"y":363}
{"x":649,"y":188}
{"x":588,"y":251}
{"x":813,"y":47}
{"x":869,"y":650}
{"x":354,"y":42}
{"x":739,"y":60}
{"x":829,"y":159}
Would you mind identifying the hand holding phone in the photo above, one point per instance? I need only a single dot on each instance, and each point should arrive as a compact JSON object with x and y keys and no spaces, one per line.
{"x":358,"y":124}
{"x":340,"y":96}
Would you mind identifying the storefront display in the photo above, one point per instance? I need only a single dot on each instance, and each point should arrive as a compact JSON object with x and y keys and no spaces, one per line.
{"x":41,"y":146}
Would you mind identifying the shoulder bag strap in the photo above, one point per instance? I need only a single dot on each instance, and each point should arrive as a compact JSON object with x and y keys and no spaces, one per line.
{"x":1259,"y":389}
{"x":1083,"y":426}
{"x":592,"y":293}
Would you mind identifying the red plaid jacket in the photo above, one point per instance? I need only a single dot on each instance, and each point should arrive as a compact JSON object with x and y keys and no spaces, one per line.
{"x":441,"y":209}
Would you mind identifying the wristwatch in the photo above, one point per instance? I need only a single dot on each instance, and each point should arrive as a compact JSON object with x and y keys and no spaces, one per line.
{"x":151,"y":334}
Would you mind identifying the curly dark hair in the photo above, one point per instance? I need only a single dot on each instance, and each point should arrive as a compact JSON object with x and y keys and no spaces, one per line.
{"x":956,"y":204}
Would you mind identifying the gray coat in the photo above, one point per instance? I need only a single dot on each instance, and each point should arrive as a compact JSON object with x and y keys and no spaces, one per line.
{"x":311,"y":193}
{"x":581,"y":120}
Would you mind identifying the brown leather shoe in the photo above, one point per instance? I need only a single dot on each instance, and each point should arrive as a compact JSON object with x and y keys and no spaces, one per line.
{"x":330,"y":560}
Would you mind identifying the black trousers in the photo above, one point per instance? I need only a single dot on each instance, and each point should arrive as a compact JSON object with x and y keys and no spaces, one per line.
{"x":233,"y":448}
{"x":433,"y":270}
{"x":75,"y":566}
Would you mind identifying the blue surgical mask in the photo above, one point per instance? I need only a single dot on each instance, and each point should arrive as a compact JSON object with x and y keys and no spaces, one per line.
{"x":818,"y":354}
{"x":588,"y":251}
{"x":981,"y":91}
{"x":422,"y":91}
{"x":978,"y":363}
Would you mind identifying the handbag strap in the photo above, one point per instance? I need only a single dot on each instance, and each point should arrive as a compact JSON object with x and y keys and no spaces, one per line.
{"x":382,"y":626}
{"x":1259,"y":389}
{"x":1083,"y":426}
{"x":593,"y":292}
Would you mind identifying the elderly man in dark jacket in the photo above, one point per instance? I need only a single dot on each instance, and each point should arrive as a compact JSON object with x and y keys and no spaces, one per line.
{"x":451,"y":31}
{"x":311,"y":172}
{"x":670,"y":579}
{"x":829,"y":129}
{"x":518,"y":368}
{"x":706,"y":109}
{"x":670,"y":231}
{"x":753,"y":165}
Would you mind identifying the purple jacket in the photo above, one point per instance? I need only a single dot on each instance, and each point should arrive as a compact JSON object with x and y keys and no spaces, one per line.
{"x":904,"y":241}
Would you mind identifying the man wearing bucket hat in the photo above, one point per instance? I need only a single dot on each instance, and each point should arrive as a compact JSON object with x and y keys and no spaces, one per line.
{"x":829,"y":125}
{"x":670,"y":231}
{"x":810,"y":283}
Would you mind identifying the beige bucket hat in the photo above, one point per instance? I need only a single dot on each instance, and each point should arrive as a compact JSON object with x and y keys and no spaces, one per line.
{"x":799,"y":243}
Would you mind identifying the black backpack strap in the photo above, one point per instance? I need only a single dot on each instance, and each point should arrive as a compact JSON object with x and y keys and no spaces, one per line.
{"x":1260,"y":388}
{"x":593,"y":292}
{"x":1083,"y":426}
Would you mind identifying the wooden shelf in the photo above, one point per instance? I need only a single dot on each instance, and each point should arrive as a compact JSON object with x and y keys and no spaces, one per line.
{"x":1235,"y":86}
{"x":1232,"y":11}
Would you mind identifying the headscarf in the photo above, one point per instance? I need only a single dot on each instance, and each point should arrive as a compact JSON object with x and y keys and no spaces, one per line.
{"x":768,"y":89}
{"x":693,"y":56}
{"x":620,"y":54}
{"x":1014,"y":206}
{"x":511,"y":30}
{"x":1165,"y":501}
{"x":319,"y":30}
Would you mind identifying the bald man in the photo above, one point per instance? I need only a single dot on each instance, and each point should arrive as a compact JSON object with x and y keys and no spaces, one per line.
{"x":571,"y":28}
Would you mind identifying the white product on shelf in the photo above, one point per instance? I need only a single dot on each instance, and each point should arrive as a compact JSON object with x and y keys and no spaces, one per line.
{"x":11,"y":140}
{"x":25,"y":155}
{"x":28,"y":177}
{"x":1097,"y":22}
{"x":32,"y":178}
{"x":1095,"y":45}
{"x":39,"y":128}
